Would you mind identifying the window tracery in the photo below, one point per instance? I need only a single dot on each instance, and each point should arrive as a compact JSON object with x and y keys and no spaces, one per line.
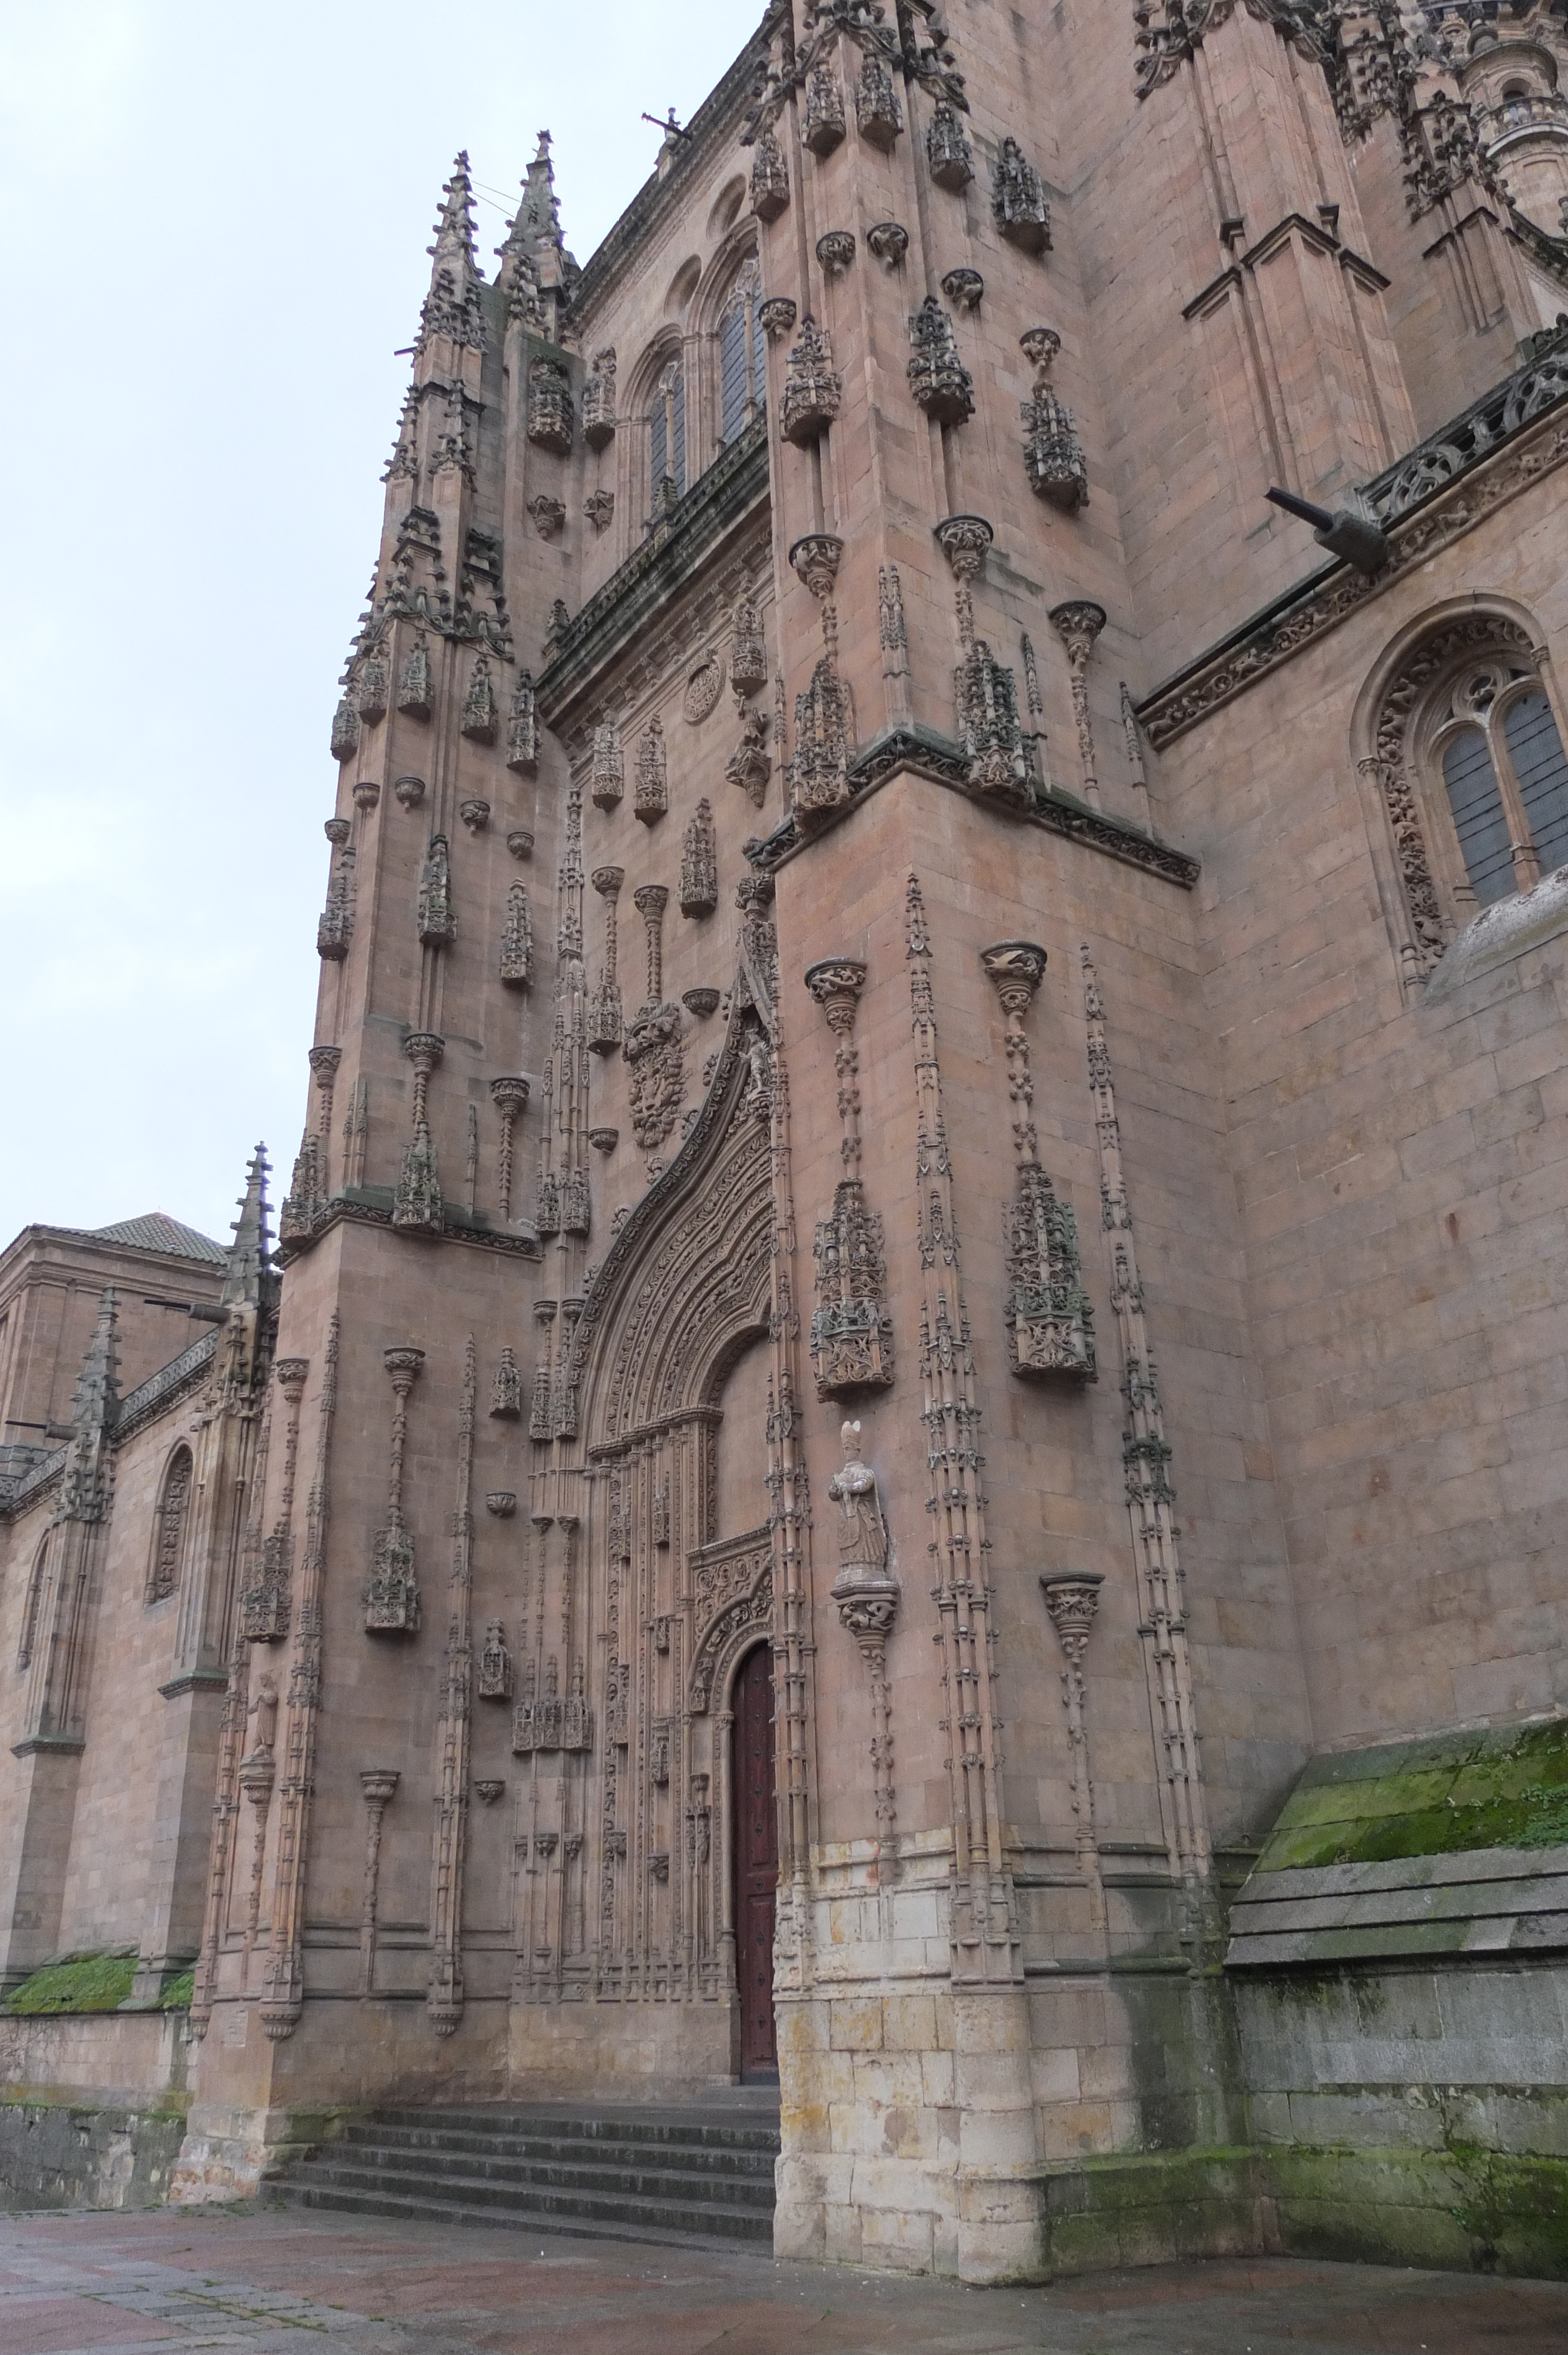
{"x":741,"y":355}
{"x":667,"y":430}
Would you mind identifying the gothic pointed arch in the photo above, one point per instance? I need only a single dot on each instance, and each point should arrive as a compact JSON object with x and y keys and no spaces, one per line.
{"x":169,"y":1525}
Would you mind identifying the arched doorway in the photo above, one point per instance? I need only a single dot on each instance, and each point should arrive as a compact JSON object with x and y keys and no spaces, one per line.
{"x":755,"y":1862}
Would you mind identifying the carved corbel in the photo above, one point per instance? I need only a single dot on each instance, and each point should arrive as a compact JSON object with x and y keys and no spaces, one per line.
{"x":378,"y":1784}
{"x":1073,"y":1598}
{"x":509,"y":1095}
{"x":824,"y":714}
{"x":985,"y":693}
{"x":1078,"y":623}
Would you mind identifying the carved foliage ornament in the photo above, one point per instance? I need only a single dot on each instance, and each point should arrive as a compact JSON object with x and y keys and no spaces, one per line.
{"x":1168,"y":32}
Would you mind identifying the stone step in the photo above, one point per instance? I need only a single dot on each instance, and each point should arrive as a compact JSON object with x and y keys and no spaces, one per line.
{"x":617,"y":2177}
{"x":703,"y":2174}
{"x":599,"y":2215}
{"x":420,"y":2147}
{"x":745,"y":2132}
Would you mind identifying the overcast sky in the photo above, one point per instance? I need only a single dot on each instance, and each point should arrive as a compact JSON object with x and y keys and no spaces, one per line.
{"x":213,"y":224}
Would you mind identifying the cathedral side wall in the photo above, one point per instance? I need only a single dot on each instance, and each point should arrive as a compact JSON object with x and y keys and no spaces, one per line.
{"x":1401,"y":1176}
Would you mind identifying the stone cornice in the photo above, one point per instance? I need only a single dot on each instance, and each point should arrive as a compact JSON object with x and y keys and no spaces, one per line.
{"x":920,"y":751}
{"x":1430,"y":499}
{"x":341,"y":1211}
{"x":721,"y":499}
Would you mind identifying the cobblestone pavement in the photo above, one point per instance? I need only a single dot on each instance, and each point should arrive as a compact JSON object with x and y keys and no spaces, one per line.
{"x":274,"y":2283}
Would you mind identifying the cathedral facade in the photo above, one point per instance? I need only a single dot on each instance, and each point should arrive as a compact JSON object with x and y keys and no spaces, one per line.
{"x":907,"y":1429}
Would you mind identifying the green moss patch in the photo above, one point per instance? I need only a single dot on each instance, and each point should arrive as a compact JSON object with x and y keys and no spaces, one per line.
{"x":176,"y":1996}
{"x":79,"y":1983}
{"x":1505,"y":1788}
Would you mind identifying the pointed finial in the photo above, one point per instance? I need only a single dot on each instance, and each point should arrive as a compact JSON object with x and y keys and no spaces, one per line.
{"x":98,"y":1385}
{"x":249,"y":1260}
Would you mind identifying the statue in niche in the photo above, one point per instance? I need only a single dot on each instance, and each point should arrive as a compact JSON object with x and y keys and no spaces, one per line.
{"x":263,"y":1714}
{"x":862,"y":1533}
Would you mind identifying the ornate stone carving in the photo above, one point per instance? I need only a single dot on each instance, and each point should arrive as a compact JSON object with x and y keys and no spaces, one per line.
{"x":1052,"y":455}
{"x":549,"y":407}
{"x":747,"y":649}
{"x":889,"y":241}
{"x":444,"y":1993}
{"x":748,"y":766}
{"x":608,"y":767}
{"x":866,"y":1596}
{"x":334,"y":927}
{"x":985,"y":693}
{"x":494,"y":1664}
{"x":824,"y":714}
{"x":539,"y":1419}
{"x":417,"y":1201}
{"x":938,"y":380}
{"x":1050,"y":1320}
{"x":520,"y":842}
{"x":704,"y":684}
{"x":371,"y":689}
{"x":436,"y":919}
{"x":416,"y":688}
{"x":822,"y":116}
{"x":344,"y":730}
{"x":964,"y":288}
{"x":699,"y":864}
{"x":651,"y":797}
{"x":947,"y":149}
{"x":474,"y":813}
{"x":878,"y":116}
{"x":1073,"y":1598}
{"x":700,"y":1002}
{"x":410,"y":791}
{"x":517,"y":940}
{"x":604,"y":1140}
{"x":652,"y":1045}
{"x":770,"y":178}
{"x":478,"y":718}
{"x":814,"y":390}
{"x":851,"y":1333}
{"x":265,"y":1595}
{"x":378,"y":1787}
{"x":509,"y":1095}
{"x":777,"y":316}
{"x":548,"y":514}
{"x":598,"y":402}
{"x":1078,"y":623}
{"x":489,"y":1790}
{"x":1151,"y":1500}
{"x":506,"y":1388}
{"x":391,"y":1592}
{"x":835,"y":252}
{"x":523,"y":732}
{"x":604,"y":1015}
{"x":1018,"y":203}
{"x":599,"y":508}
{"x":984,"y":1928}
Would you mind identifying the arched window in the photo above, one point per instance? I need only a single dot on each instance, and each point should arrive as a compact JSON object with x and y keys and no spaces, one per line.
{"x":30,"y":1608}
{"x":667,"y":430}
{"x":1470,"y":762}
{"x":1490,"y":728}
{"x":741,"y":377}
{"x":169,"y":1528}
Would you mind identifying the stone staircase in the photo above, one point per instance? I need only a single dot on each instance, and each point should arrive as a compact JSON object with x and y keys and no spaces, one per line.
{"x":693,"y":2174}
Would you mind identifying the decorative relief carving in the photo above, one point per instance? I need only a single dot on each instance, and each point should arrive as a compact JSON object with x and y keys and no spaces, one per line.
{"x":549,"y":515}
{"x":604,"y":1014}
{"x":435,"y":916}
{"x":264,"y":1599}
{"x":835,"y":252}
{"x":1052,"y":455}
{"x":866,"y":1596}
{"x":1073,"y":1598}
{"x":699,"y":864}
{"x":344,"y":730}
{"x":964,"y":288}
{"x":824,"y":714}
{"x":334,"y":928}
{"x":778,"y":317}
{"x":889,"y":241}
{"x":416,"y":686}
{"x":652,"y":798}
{"x":444,"y":1994}
{"x":1050,"y":1320}
{"x":417,"y":1201}
{"x":727,"y":1634}
{"x":747,"y":649}
{"x":878,"y":116}
{"x":517,"y":941}
{"x":608,"y":767}
{"x":770,"y":178}
{"x":474,"y":813}
{"x":748,"y":766}
{"x":599,"y":402}
{"x":938,"y":380}
{"x":985,"y":693}
{"x":852,"y":1333}
{"x":391,"y":1592}
{"x":1018,"y":203}
{"x":947,"y":149}
{"x":506,"y":1388}
{"x":703,"y":688}
{"x":1078,"y":623}
{"x":523,"y":730}
{"x":509,"y":1095}
{"x":652,"y":1044}
{"x":822,"y":116}
{"x":549,"y":407}
{"x":477,"y":720}
{"x":494,"y":1664}
{"x":814,"y":390}
{"x":599,"y":508}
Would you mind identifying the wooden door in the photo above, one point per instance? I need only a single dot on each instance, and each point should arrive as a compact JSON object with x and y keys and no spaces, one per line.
{"x":756,"y":1861}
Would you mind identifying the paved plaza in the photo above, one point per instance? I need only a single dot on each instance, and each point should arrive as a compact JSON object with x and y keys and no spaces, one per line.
{"x":274,"y":2283}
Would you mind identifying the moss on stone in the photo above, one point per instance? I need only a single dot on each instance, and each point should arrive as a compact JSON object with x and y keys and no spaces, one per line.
{"x":1505,"y":1787}
{"x":75,"y":1983}
{"x":176,"y":1996}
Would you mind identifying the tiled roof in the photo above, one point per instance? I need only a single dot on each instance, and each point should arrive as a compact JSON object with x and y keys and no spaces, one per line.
{"x":157,"y":1232}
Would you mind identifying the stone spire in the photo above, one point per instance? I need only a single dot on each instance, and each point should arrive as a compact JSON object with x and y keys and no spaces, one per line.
{"x":535,"y":268}
{"x":454,"y":307}
{"x":249,"y":1257}
{"x":93,"y":1409}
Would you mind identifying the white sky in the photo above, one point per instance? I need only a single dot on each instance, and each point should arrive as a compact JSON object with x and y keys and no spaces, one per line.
{"x":213,"y":230}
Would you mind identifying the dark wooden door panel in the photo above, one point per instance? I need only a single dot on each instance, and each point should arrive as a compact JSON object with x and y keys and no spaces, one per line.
{"x":756,"y":1861}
